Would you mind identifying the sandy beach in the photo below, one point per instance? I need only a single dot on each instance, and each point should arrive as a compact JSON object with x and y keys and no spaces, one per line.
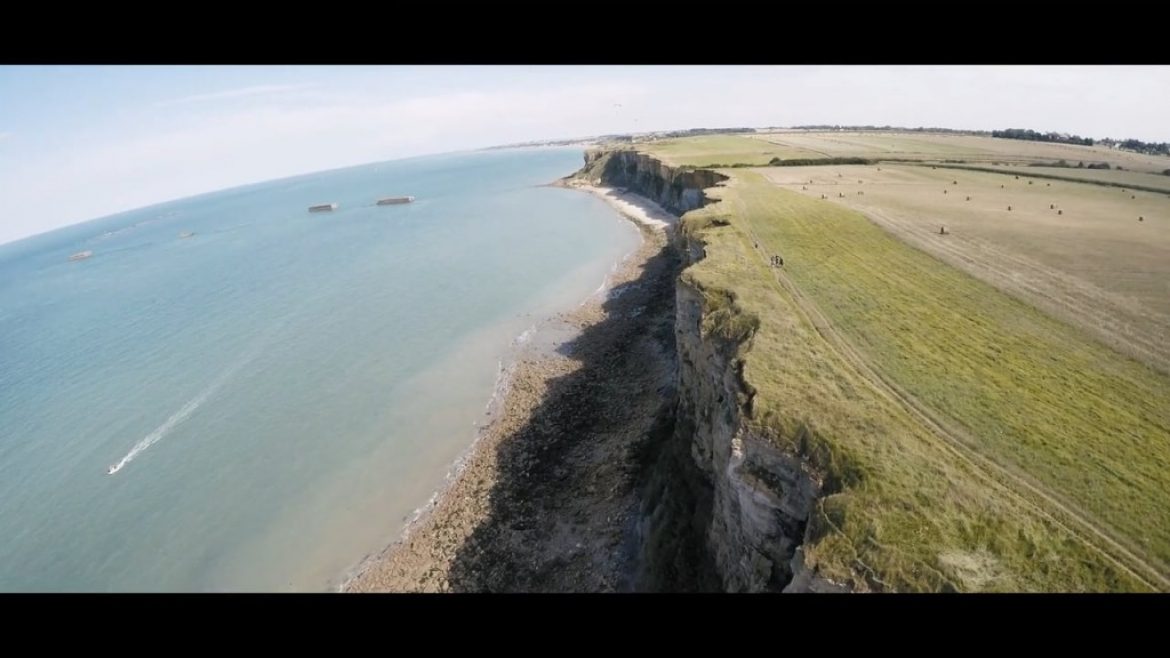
{"x":547,"y":498}
{"x":632,"y":206}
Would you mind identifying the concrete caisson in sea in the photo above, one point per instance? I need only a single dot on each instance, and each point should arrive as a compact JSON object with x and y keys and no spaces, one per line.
{"x":323,"y":207}
{"x":395,"y":200}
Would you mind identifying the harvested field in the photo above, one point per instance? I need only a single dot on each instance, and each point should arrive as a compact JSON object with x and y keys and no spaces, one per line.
{"x":1074,"y":250}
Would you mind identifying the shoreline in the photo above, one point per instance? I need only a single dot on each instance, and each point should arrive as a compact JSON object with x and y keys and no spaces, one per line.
{"x":529,"y":402}
{"x":642,"y":211}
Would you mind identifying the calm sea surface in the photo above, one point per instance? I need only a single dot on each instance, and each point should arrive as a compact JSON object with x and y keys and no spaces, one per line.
{"x":278,"y":391}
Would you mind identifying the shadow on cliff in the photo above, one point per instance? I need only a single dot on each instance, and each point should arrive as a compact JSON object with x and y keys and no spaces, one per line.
{"x":591,"y":489}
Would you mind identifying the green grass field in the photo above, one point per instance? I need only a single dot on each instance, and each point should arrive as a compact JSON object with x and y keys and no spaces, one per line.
{"x":913,"y":513}
{"x":760,"y":148}
{"x":977,"y":441}
{"x":874,"y":145}
{"x":722,"y":150}
{"x":1032,"y":392}
{"x":969,"y":148}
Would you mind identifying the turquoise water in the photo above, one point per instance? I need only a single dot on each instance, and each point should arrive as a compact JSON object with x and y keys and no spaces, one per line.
{"x":280,"y":390}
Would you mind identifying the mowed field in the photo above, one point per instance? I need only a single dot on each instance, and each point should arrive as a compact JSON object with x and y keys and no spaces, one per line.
{"x":920,"y":507}
{"x":990,"y":398}
{"x":723,"y":150}
{"x":1110,"y":177}
{"x":1077,"y":251}
{"x":971,"y":148}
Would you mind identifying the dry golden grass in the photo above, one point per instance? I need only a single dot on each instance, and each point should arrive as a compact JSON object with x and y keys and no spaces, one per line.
{"x":719,"y":150}
{"x":1088,"y":261}
{"x":970,"y":148}
{"x":1112,"y":177}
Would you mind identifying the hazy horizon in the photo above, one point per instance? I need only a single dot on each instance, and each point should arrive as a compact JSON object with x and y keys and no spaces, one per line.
{"x":83,"y":142}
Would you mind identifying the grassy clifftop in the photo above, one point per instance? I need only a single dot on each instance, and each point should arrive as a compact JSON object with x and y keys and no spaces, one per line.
{"x":757,"y":149}
{"x":974,"y":443}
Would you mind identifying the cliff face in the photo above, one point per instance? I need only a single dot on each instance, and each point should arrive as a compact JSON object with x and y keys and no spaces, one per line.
{"x":761,"y":496}
{"x":677,"y":190}
{"x":723,"y":508}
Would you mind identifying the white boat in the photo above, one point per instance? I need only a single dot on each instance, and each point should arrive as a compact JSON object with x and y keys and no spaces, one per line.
{"x":395,"y":200}
{"x":113,"y":469}
{"x":81,"y":255}
{"x":323,"y":207}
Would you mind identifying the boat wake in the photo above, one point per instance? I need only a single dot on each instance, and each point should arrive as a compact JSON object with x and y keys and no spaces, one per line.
{"x":162,"y":430}
{"x":177,"y":418}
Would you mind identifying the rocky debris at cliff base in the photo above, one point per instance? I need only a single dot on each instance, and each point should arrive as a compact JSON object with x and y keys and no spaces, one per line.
{"x":548,"y":499}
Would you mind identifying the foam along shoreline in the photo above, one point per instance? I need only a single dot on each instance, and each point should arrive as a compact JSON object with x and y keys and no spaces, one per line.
{"x":423,"y":556}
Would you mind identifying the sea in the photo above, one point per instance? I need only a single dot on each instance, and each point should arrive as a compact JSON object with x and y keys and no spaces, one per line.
{"x":233,"y":394}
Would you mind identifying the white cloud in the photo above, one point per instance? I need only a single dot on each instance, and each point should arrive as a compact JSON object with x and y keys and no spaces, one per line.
{"x":257,"y":90}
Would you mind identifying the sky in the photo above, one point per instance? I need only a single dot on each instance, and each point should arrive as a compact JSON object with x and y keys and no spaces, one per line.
{"x":81,"y":142}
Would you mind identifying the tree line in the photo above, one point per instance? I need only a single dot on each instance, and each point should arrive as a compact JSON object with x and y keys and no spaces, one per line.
{"x":1135,"y":145}
{"x":1149,"y":148}
{"x":890,"y":129}
{"x":1032,"y":135}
